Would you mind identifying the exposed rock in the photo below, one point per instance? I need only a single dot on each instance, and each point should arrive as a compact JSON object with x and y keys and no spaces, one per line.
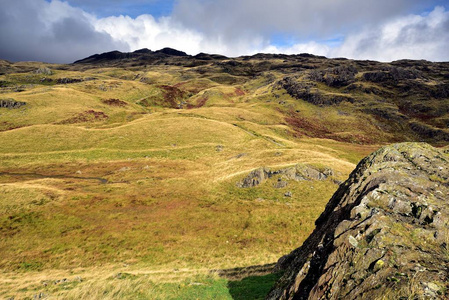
{"x":384,"y":233}
{"x":308,"y":92}
{"x":69,"y":80}
{"x":428,"y":132}
{"x":280,"y":183}
{"x":335,"y":77}
{"x":255,"y":178}
{"x":44,"y":71}
{"x":11,"y":103}
{"x":114,"y":102}
{"x":392,"y":74}
{"x":297,"y":173}
{"x":87,"y":116}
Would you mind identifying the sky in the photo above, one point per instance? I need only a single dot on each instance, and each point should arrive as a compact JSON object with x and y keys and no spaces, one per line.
{"x":61,"y":31}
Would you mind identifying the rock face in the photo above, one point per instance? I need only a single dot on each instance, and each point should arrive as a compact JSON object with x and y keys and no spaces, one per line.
{"x":384,"y":233}
{"x":11,"y":104}
{"x":297,"y":173}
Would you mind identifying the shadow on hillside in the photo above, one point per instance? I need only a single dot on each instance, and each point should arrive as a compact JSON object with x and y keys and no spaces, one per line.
{"x":249,"y":283}
{"x":252,"y":287}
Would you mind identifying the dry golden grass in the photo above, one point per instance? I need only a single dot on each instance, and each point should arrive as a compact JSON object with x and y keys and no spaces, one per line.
{"x":152,"y":188}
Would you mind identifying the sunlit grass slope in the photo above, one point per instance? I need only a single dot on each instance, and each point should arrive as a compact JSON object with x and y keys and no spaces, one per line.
{"x":145,"y":184}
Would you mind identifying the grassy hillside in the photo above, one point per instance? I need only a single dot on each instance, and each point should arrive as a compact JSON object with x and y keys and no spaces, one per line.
{"x":123,"y":177}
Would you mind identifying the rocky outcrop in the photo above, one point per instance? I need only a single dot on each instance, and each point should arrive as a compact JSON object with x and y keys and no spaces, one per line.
{"x":428,"y":132}
{"x":68,"y":80}
{"x":384,"y":233}
{"x":11,"y":104}
{"x":391,"y":74}
{"x":307,"y":91}
{"x":44,"y":71}
{"x":335,"y":77}
{"x":297,"y":173}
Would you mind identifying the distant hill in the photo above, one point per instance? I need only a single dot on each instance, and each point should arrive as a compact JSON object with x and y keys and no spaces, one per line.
{"x":406,"y":97}
{"x":141,"y":54}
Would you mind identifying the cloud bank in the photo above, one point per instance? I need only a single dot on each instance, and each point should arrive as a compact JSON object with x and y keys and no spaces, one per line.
{"x":382,"y":30}
{"x":413,"y":36}
{"x":53,"y":32}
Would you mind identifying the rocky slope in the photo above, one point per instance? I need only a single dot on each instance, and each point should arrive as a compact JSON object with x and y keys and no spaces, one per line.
{"x":384,"y":233}
{"x":407,"y":98}
{"x":363,"y":102}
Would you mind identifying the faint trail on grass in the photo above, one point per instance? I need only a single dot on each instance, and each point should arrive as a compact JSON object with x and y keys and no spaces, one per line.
{"x":257,"y":135}
{"x":240,"y":273}
{"x":231,"y":273}
{"x":42,"y":176}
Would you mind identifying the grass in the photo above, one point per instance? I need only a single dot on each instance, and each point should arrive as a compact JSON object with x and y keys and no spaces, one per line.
{"x":110,"y":283}
{"x":150,"y":190}
{"x":252,"y":287}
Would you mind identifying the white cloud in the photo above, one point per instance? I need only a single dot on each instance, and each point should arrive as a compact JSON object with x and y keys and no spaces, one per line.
{"x":412,"y":37}
{"x":310,"y":47}
{"x":303,"y":19}
{"x":147,"y":32}
{"x":58,"y":32}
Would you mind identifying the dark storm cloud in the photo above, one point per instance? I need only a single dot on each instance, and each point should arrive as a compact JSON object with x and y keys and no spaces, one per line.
{"x":53,"y":32}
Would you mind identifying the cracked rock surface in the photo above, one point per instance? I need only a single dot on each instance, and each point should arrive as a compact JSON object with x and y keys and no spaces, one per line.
{"x":383,"y":235}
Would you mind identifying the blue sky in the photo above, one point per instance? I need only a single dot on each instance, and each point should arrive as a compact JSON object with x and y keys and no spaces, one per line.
{"x":66,"y":30}
{"x":156,"y":8}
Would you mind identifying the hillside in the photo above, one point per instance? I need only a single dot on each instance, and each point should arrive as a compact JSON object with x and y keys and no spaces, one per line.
{"x":170,"y":169}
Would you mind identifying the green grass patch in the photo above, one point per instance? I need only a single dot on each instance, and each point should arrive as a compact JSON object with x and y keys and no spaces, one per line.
{"x":253,"y":287}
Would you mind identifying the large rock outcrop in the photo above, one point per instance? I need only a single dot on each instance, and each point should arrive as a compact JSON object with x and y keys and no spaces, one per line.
{"x":297,"y":173}
{"x":383,"y":235}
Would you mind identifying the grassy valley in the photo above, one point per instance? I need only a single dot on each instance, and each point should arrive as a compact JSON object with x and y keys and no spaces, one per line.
{"x":125,"y":176}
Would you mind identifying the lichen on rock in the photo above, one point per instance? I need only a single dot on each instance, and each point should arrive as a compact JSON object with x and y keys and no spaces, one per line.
{"x":384,"y":233}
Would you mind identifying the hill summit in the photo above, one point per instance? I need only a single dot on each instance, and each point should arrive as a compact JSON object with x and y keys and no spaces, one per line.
{"x":384,"y":233}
